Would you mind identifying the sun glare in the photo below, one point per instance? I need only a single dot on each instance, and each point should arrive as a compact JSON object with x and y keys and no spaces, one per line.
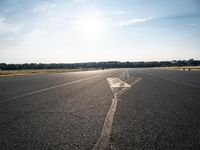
{"x":92,"y":24}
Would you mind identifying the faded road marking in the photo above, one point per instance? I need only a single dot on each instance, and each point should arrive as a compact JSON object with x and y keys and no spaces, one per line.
{"x":104,"y":139}
{"x":124,"y":75}
{"x":118,"y":88}
{"x":46,"y":89}
{"x":136,"y":81}
{"x":173,"y":80}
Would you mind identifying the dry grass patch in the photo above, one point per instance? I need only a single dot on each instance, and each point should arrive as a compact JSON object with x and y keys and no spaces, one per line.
{"x":184,"y":68}
{"x":39,"y":71}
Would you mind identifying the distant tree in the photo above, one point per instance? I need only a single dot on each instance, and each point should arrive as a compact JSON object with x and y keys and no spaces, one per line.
{"x":109,"y":64}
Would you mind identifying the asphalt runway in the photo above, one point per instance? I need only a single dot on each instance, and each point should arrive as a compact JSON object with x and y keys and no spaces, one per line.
{"x":86,"y":110}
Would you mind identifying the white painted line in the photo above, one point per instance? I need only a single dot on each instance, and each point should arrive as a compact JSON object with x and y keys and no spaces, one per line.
{"x":136,"y":81}
{"x":173,"y":80}
{"x":131,"y":84}
{"x":46,"y":89}
{"x":103,"y":142}
{"x":124,"y":75}
{"x":127,"y":75}
{"x":118,"y":90}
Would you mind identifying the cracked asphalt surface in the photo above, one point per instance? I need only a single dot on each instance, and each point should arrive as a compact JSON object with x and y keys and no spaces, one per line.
{"x":162,"y":111}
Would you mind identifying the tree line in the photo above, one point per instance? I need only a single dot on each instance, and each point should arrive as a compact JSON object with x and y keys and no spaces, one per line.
{"x":108,"y":64}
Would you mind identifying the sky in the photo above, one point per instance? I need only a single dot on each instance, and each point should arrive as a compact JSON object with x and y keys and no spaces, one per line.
{"x":69,"y":31}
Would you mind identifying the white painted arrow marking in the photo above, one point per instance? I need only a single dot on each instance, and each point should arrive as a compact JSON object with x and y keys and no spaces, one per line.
{"x":118,"y":87}
{"x":116,"y":82}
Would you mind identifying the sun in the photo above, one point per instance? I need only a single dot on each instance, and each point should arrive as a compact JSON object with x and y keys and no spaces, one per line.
{"x":91,"y":24}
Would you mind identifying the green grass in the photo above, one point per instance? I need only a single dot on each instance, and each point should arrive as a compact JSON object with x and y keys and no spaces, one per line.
{"x":39,"y":71}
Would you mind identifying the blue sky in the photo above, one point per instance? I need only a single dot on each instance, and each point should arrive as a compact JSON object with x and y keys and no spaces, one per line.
{"x":98,"y":30}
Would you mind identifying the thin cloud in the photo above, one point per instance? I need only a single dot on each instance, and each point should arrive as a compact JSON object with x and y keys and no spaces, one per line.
{"x":43,"y":6}
{"x":121,"y":12}
{"x":132,"y":22}
{"x":7,"y":27}
{"x":79,"y":1}
{"x":181,"y":16}
{"x":191,"y":24}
